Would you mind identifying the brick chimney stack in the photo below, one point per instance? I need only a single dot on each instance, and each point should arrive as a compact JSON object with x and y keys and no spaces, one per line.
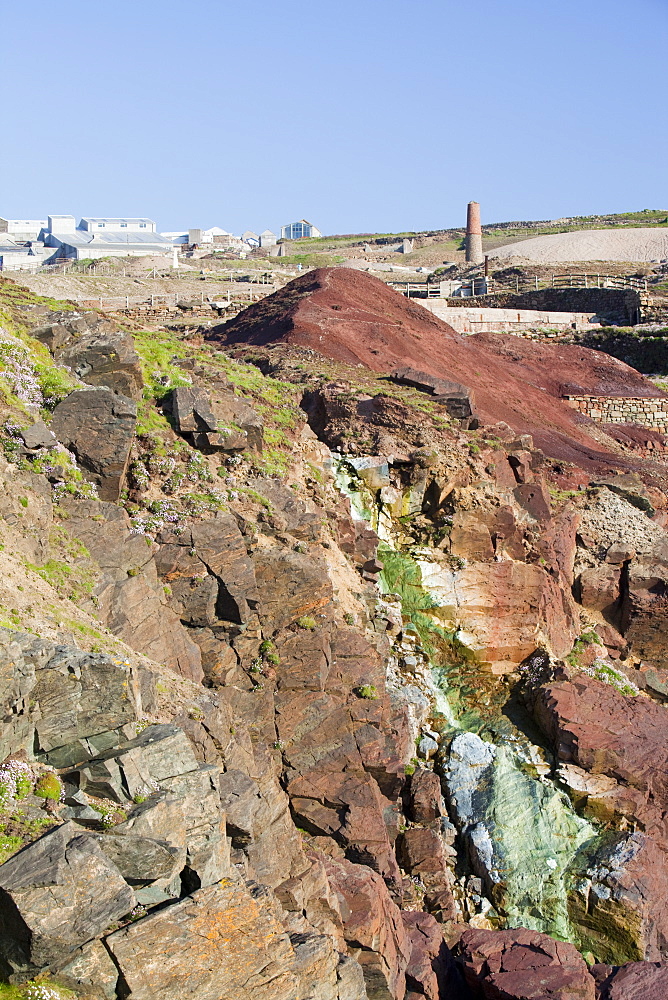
{"x":473,"y":234}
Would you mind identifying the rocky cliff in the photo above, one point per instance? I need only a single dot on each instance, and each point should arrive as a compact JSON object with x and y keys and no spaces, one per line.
{"x":317,"y":683}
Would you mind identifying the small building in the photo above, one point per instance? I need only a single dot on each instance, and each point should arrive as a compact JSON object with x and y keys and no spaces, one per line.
{"x":251,"y":238}
{"x":267,"y":238}
{"x":22,"y":230}
{"x":301,"y":230}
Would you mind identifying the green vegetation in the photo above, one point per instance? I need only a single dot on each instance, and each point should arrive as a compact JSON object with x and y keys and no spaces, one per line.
{"x":36,"y":989}
{"x":48,"y":786}
{"x":9,"y":845}
{"x":367,"y":691}
{"x":73,"y":582}
{"x":307,"y":622}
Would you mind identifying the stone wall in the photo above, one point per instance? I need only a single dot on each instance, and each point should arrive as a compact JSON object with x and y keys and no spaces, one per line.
{"x":617,"y":305}
{"x":646,"y":412}
{"x":496,"y":320}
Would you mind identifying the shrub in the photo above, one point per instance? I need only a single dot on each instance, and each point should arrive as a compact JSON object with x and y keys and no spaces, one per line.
{"x":307,"y":622}
{"x":48,"y":786}
{"x":367,"y":691}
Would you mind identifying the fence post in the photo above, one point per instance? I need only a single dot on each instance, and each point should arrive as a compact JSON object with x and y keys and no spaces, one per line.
{"x":151,"y":302}
{"x":586,"y":285}
{"x":127,"y":301}
{"x":536,"y":282}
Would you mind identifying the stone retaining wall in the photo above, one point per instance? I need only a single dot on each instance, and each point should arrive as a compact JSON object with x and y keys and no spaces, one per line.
{"x":617,"y":305}
{"x":647,"y":412}
{"x":496,"y":320}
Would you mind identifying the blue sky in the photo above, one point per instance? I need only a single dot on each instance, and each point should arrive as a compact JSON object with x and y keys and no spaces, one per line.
{"x":360,"y":115}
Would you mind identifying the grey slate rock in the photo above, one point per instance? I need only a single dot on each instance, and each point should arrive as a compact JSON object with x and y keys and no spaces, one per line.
{"x":55,"y":895}
{"x":160,"y":751}
{"x":37,"y":436}
{"x":98,"y":426}
{"x":140,"y":859}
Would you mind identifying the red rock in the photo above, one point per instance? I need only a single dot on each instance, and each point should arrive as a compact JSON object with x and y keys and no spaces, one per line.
{"x":605,"y":732}
{"x":426,"y":798}
{"x":421,"y":851}
{"x":373,"y":923}
{"x":521,"y":964}
{"x":430,"y":971}
{"x":635,"y":981}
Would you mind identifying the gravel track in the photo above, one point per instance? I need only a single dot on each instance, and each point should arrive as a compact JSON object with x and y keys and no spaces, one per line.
{"x":631,"y":245}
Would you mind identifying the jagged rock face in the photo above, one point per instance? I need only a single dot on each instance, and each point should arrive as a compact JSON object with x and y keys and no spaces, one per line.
{"x":98,"y":426}
{"x":186,"y":800}
{"x":96,"y":350}
{"x":130,"y":597}
{"x":68,"y":890}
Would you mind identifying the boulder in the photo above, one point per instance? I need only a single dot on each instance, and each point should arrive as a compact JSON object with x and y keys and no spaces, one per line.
{"x":55,"y":895}
{"x":222,"y":941}
{"x":95,"y":349}
{"x":38,"y":436}
{"x":521,"y":964}
{"x":98,"y":426}
{"x":223,"y":422}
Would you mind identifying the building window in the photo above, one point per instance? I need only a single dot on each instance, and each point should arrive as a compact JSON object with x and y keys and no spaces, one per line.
{"x":142,"y":225}
{"x":124,"y":225}
{"x":100,"y":225}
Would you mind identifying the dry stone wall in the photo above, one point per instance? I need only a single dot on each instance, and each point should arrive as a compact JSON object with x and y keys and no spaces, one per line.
{"x":646,"y":412}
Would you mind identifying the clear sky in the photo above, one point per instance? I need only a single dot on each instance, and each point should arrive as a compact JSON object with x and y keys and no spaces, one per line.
{"x":359,"y":115}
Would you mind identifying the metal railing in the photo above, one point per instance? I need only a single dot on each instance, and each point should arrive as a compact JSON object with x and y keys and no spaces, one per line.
{"x":536,"y":283}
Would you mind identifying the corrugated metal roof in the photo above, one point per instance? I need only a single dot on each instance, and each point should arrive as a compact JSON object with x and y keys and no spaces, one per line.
{"x":88,"y":218}
{"x":109,"y":239}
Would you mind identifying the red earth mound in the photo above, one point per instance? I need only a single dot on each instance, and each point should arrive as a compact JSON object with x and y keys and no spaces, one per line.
{"x":352,"y":317}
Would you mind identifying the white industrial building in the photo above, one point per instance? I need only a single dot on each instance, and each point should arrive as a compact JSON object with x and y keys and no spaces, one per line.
{"x":21,"y":230}
{"x":94,"y":238}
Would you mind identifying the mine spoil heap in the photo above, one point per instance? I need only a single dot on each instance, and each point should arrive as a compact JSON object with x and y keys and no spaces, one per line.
{"x":335,"y":668}
{"x":352,"y":317}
